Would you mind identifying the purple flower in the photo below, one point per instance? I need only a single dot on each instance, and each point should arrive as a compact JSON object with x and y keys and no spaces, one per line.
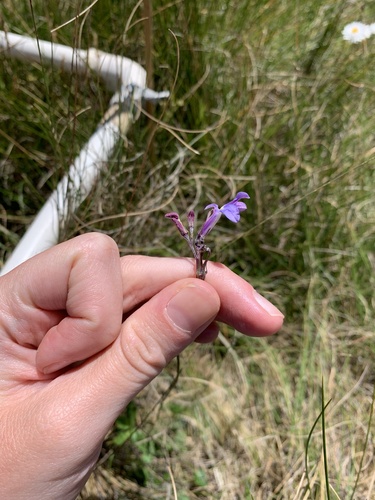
{"x":231,"y":210}
{"x":200,"y":250}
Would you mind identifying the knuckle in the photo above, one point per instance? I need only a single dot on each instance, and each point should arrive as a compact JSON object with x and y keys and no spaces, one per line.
{"x":97,"y":243}
{"x":142,"y":350}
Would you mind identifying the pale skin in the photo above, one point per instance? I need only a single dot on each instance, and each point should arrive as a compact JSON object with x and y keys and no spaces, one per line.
{"x":120,"y":321}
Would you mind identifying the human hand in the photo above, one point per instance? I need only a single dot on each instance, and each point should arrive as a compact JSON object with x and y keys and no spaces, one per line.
{"x":122,"y":320}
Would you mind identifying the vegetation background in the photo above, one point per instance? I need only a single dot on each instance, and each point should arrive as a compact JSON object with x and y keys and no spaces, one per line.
{"x":282,"y":107}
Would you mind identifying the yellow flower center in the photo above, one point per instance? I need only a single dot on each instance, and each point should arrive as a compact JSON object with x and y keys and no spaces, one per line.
{"x":355,"y":29}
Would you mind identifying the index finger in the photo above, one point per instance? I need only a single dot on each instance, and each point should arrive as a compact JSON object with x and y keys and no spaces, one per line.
{"x":241,"y":305}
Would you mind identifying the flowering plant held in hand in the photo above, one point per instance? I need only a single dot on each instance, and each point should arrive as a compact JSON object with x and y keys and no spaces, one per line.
{"x":201,"y":252}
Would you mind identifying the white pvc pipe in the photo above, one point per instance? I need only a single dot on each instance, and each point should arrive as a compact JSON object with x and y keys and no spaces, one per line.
{"x":116,"y":71}
{"x":69,"y":194}
{"x":74,"y":187}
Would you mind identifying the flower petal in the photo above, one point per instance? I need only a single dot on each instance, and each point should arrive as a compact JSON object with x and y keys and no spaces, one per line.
{"x":172,"y":215}
{"x":231,"y":212}
{"x":357,"y":32}
{"x":210,"y":222}
{"x":241,"y":206}
{"x":240,"y":195}
{"x":211,"y":205}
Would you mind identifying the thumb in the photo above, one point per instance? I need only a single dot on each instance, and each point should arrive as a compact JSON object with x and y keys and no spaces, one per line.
{"x":158,"y":331}
{"x":149,"y":339}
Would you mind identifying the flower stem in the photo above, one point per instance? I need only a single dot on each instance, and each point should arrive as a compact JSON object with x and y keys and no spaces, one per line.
{"x":201,"y":257}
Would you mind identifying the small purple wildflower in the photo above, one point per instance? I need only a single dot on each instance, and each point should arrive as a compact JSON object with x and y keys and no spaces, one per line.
{"x":231,"y":211}
{"x":201,"y":252}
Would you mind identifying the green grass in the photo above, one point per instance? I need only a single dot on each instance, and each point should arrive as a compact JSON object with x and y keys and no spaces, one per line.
{"x":287,"y":110}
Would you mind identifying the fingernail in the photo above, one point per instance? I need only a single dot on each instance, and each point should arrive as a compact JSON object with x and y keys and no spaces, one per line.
{"x":192,"y":309}
{"x":267,"y":306}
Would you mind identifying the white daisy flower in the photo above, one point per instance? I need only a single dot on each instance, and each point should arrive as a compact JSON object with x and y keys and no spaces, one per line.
{"x":357,"y":32}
